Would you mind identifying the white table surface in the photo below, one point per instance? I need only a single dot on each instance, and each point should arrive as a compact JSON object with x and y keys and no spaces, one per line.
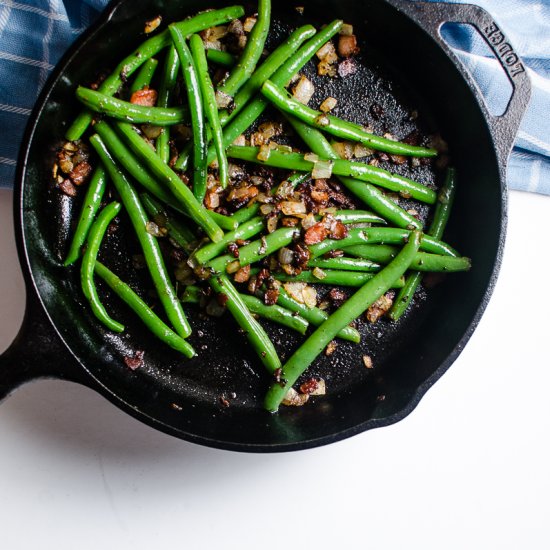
{"x":469,"y":469}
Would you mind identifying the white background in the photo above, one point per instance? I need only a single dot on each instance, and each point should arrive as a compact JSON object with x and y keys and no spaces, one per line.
{"x":469,"y":469}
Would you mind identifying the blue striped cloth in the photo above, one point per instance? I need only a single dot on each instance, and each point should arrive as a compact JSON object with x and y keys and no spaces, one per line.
{"x":35,"y":33}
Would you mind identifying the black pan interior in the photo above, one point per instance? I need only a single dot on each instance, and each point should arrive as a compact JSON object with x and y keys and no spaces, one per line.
{"x":403,"y":71}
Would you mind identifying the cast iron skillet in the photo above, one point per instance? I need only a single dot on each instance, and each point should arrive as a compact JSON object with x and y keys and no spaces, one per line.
{"x":413,"y":68}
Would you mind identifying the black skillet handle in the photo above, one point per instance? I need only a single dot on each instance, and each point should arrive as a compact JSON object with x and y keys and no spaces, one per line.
{"x":432,"y":16}
{"x":37,"y":352}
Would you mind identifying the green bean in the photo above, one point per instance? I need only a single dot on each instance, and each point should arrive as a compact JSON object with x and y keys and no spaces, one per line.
{"x":357,"y":170}
{"x":145,"y":51}
{"x":130,"y":112}
{"x":338,"y":127}
{"x":211,"y":250}
{"x":179,"y":233}
{"x":254,"y":332}
{"x":225,"y":222}
{"x":365,"y":192}
{"x":167,"y":85}
{"x":279,"y":56}
{"x":144,"y":76}
{"x":195,"y":100}
{"x":423,"y":261}
{"x":149,"y":244}
{"x":333,"y":277}
{"x":358,"y":216}
{"x":275,"y":313}
{"x":380,"y":235}
{"x":90,"y":206}
{"x":281,"y":77}
{"x":437,"y":227}
{"x":210,"y":106}
{"x":346,"y":264}
{"x":343,"y":316}
{"x":144,"y":312}
{"x":168,"y":177}
{"x":220,"y":58}
{"x":256,"y":250}
{"x":191,"y":295}
{"x":252,"y":51}
{"x":95,"y":237}
{"x":315,"y":316}
{"x":122,"y":154}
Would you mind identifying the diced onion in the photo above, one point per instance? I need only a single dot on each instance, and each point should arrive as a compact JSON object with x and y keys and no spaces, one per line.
{"x":322,"y":120}
{"x":311,"y":157}
{"x":346,"y":30}
{"x":328,"y":104}
{"x":223,"y":100}
{"x":304,"y":90}
{"x":360,"y":151}
{"x":309,"y":221}
{"x":249,"y":23}
{"x":153,"y":229}
{"x":318,"y":273}
{"x":295,"y":399}
{"x":233,"y":267}
{"x":285,"y":255}
{"x":291,"y":208}
{"x":264,"y":153}
{"x":322,"y":169}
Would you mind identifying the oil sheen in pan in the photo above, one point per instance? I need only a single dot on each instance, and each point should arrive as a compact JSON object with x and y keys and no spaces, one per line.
{"x":225,"y":365}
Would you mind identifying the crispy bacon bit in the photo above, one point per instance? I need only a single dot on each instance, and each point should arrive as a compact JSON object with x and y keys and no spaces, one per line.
{"x":333,"y":254}
{"x":347,"y":67}
{"x":380,"y":307}
{"x":277,"y":374}
{"x":271,"y":297}
{"x":338,"y":230}
{"x":243,"y":274}
{"x":316,"y":234}
{"x":337,"y":297}
{"x":398,"y":159}
{"x":242,"y":194}
{"x":80,"y":173}
{"x":145,"y":97}
{"x":224,"y":401}
{"x":347,"y":45}
{"x":67,"y":187}
{"x":290,"y":222}
{"x":309,"y":386}
{"x":233,"y":249}
{"x":262,"y":276}
{"x":331,"y":348}
{"x":367,"y":361}
{"x":136,"y":361}
{"x":241,"y":242}
{"x":301,"y":255}
{"x":222,"y":299}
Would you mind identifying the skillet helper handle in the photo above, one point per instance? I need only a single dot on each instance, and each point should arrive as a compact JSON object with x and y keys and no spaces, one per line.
{"x":432,"y":16}
{"x":36,"y":352}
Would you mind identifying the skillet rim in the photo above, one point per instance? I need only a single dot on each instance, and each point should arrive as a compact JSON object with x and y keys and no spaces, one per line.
{"x":90,"y":380}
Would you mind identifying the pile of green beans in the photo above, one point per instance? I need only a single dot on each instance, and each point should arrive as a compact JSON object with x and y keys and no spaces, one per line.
{"x":169,"y":189}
